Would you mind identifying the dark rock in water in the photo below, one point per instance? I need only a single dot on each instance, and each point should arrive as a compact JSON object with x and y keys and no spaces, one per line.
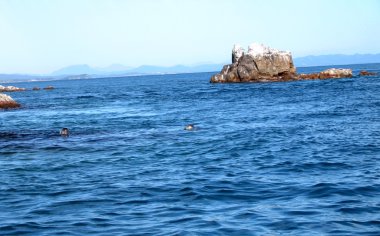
{"x":49,"y":88}
{"x":328,"y":74}
{"x":6,"y":102}
{"x":259,"y":64}
{"x":36,"y":88}
{"x":366,"y":73}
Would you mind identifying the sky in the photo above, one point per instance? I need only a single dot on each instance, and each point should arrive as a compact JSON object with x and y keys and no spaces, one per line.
{"x":41,"y":36}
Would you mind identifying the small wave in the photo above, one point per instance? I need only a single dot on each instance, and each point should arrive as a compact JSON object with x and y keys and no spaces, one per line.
{"x":358,"y":210}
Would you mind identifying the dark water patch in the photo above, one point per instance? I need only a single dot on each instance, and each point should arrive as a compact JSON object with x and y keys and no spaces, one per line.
{"x":359,"y":210}
{"x":86,"y":97}
{"x":321,"y":166}
{"x":325,"y":190}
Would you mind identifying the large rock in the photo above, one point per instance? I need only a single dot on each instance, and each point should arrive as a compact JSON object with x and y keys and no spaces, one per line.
{"x":259,"y":64}
{"x":7,"y":102}
{"x":10,"y":89}
{"x":328,"y":74}
{"x":335,"y":73}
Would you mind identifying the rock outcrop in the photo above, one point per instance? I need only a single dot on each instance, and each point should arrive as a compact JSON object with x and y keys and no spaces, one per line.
{"x":49,"y":88}
{"x":335,"y":73}
{"x":7,"y":102}
{"x":10,"y":89}
{"x":366,"y":73}
{"x":259,"y":64}
{"x":328,"y":74}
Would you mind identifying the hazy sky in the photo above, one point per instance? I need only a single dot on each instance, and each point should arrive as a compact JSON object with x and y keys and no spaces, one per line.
{"x":40,"y":36}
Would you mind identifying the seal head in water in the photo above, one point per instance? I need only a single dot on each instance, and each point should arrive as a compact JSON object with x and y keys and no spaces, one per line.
{"x":189,"y":127}
{"x":64,"y":132}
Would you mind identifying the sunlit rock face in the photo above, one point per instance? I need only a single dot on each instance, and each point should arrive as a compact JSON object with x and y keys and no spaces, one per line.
{"x":259,"y":64}
{"x":237,"y":53}
{"x":10,"y":89}
{"x":335,"y":73}
{"x":7,"y":102}
{"x":328,"y":74}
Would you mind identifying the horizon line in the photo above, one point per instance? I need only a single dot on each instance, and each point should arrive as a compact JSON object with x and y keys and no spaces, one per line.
{"x":131,"y":68}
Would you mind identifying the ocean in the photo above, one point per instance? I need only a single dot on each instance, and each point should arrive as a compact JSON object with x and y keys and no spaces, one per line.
{"x":287,"y":158}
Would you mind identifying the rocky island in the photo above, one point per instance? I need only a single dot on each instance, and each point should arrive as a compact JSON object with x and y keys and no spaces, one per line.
{"x":259,"y":64}
{"x":265,"y":64}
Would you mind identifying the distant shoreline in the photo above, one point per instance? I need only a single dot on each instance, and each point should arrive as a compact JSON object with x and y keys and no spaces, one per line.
{"x":31,"y":78}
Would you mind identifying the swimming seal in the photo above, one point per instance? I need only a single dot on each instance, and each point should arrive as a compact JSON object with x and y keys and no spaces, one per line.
{"x":189,"y":127}
{"x":64,"y":132}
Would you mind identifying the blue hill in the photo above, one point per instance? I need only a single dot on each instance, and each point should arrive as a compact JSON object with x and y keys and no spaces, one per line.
{"x":337,"y":59}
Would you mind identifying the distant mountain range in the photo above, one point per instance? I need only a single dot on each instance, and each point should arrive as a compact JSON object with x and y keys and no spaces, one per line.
{"x":337,"y":59}
{"x":86,"y":69}
{"x":145,"y":69}
{"x":116,"y":70}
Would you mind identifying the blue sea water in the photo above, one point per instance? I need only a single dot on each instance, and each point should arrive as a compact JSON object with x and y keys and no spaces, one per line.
{"x":290,"y":158}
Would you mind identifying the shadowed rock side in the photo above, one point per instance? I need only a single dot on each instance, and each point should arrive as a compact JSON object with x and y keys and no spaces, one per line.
{"x":7,"y":102}
{"x":259,"y":64}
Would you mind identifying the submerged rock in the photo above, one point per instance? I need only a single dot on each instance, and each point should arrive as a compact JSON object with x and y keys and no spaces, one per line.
{"x":328,"y":74}
{"x":259,"y":64}
{"x":7,"y":102}
{"x":10,"y":89}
